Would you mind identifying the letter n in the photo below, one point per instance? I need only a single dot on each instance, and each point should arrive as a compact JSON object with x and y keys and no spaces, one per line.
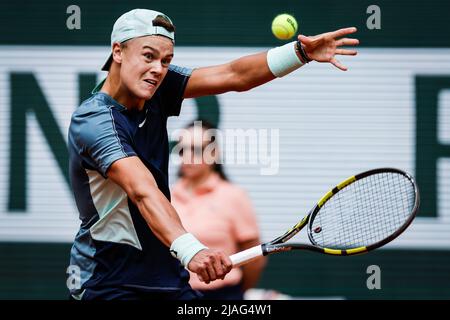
{"x":27,"y":97}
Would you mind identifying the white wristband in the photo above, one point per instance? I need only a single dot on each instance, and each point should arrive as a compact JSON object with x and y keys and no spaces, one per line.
{"x":283,"y":60}
{"x":185,"y":247}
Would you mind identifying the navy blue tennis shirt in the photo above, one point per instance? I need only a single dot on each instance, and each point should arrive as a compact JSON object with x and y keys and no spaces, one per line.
{"x":115,"y":249}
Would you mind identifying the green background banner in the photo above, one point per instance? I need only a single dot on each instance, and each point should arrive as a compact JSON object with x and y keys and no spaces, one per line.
{"x":231,"y":22}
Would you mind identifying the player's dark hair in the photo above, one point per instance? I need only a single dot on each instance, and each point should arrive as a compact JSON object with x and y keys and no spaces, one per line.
{"x":163,"y":21}
{"x":216,"y":167}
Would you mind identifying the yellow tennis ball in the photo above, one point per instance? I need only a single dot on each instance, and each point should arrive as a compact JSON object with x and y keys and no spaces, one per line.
{"x":284,"y":26}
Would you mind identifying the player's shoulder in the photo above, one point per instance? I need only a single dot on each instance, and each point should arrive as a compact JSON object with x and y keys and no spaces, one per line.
{"x":98,"y":105}
{"x":95,"y":114}
{"x":184,"y":71}
{"x":94,"y":104}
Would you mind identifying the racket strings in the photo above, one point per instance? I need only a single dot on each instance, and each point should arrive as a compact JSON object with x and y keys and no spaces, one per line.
{"x":365,"y":212}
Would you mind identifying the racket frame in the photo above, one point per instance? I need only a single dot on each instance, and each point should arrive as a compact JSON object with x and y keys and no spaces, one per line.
{"x":278,"y":244}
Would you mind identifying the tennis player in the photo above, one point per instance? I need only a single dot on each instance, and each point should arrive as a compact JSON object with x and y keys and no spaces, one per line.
{"x":131,"y":243}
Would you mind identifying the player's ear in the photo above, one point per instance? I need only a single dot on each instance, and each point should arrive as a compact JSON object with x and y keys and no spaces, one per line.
{"x":117,"y":50}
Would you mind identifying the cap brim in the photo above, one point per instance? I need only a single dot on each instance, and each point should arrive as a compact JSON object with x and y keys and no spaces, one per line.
{"x":108,"y":63}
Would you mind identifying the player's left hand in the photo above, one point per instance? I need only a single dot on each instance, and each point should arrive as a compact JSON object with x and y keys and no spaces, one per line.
{"x":324,"y":47}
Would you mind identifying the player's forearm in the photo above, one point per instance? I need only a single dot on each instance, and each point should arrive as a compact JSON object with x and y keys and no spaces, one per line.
{"x":164,"y":222}
{"x":251,"y":71}
{"x":160,"y":216}
{"x":239,"y":75}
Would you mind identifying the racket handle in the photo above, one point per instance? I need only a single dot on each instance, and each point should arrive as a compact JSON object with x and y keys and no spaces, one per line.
{"x":243,"y":257}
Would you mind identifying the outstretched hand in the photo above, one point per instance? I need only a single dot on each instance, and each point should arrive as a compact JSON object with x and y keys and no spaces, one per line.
{"x":324,"y":47}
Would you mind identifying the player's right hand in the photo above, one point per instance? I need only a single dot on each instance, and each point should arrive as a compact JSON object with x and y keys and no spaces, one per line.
{"x":210,"y":265}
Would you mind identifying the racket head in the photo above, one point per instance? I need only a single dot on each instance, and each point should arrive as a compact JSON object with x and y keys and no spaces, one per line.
{"x":364,"y":212}
{"x":292,"y":231}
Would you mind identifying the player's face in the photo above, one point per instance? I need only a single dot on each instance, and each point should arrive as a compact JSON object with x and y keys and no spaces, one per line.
{"x":145,"y":62}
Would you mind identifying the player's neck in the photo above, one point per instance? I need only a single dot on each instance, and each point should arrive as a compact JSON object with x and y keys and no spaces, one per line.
{"x":113,"y":87}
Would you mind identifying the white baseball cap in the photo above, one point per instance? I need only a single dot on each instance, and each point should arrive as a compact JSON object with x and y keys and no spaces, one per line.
{"x":137,"y":23}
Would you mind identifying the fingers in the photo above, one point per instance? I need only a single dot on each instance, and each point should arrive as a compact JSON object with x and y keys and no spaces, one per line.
{"x":343,"y":32}
{"x":347,"y":42}
{"x":309,"y":40}
{"x":221,"y":264}
{"x":218,"y":268}
{"x":304,"y":39}
{"x":210,"y":265}
{"x":226,"y":263}
{"x":203,"y":276}
{"x":338,"y":65}
{"x":210,"y":269}
{"x":346,"y":52}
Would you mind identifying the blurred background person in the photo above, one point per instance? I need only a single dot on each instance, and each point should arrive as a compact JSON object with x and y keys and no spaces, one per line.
{"x":215,"y":210}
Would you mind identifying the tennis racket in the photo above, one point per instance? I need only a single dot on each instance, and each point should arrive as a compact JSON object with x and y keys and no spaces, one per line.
{"x":360,"y":214}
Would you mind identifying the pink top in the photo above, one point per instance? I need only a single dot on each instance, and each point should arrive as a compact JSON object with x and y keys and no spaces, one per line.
{"x":221,"y":216}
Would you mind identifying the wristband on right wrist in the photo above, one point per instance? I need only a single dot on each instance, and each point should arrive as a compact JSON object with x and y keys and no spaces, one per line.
{"x":185,"y":247}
